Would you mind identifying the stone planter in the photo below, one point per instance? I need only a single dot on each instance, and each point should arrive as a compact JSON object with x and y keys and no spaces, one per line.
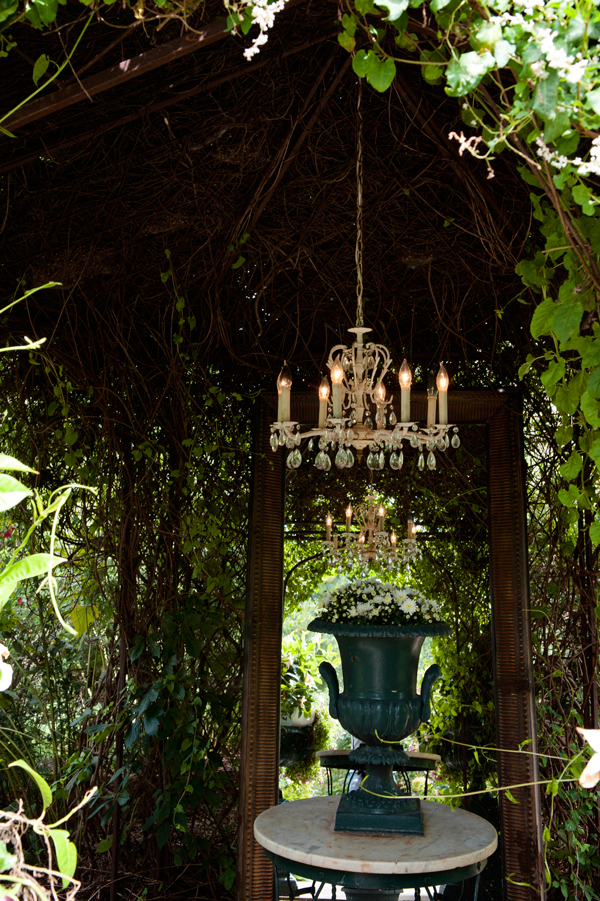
{"x":380,"y":706}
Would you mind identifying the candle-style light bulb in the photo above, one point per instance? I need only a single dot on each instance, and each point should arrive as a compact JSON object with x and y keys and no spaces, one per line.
{"x":337,"y":377}
{"x":328,"y":524}
{"x":410,"y":528}
{"x":393,"y":539}
{"x":337,"y":373}
{"x":284,"y":384}
{"x":323,"y":398}
{"x":381,"y":513}
{"x":405,"y":375}
{"x":405,"y":379}
{"x":324,"y":389}
{"x":380,"y":393}
{"x":443,"y":383}
{"x":432,"y":393}
{"x":349,"y":511}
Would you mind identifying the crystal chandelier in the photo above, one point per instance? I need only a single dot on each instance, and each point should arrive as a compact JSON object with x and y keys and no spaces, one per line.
{"x":372,"y":544}
{"x":355,"y":412}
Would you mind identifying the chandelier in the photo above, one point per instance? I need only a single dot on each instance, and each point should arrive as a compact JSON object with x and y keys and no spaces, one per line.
{"x":372,"y":544}
{"x":355,"y":411}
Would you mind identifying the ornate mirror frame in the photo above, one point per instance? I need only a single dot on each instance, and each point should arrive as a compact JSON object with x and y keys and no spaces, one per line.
{"x":521,"y":830}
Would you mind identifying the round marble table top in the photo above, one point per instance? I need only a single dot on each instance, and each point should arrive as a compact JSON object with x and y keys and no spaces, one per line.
{"x":302,"y":831}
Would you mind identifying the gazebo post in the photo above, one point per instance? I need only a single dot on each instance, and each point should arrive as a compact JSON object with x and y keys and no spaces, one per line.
{"x":259,"y":764}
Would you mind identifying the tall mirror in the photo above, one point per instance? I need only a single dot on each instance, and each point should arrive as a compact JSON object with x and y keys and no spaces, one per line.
{"x":491,"y":473}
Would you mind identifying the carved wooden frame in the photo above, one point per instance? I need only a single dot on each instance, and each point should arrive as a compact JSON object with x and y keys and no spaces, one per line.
{"x":521,"y":831}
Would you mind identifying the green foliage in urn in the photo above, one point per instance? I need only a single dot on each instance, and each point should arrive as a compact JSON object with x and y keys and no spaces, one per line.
{"x":373,"y":602}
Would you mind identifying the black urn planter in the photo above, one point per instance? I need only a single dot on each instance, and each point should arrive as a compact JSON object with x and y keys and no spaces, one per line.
{"x":296,"y":745}
{"x":380,"y":706}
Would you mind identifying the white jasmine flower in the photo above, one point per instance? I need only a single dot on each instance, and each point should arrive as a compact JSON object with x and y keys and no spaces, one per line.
{"x":591,"y":774}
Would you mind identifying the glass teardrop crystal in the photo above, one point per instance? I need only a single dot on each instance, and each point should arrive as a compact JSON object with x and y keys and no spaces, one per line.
{"x":372,"y":461}
{"x":368,"y":423}
{"x":326,"y":463}
{"x":455,"y":441}
{"x":394,"y":460}
{"x":381,"y":460}
{"x":431,"y":461}
{"x":311,"y":444}
{"x":349,"y":459}
{"x":294,"y":459}
{"x":392,"y":418}
{"x":421,"y":463}
{"x":340,"y":458}
{"x":414,"y":441}
{"x":274,"y":441}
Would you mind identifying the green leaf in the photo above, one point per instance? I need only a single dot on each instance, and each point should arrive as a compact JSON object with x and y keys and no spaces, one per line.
{"x":510,"y":797}
{"x":6,"y":590}
{"x":584,"y":197}
{"x":29,"y":567}
{"x":554,"y":372}
{"x":7,"y":860}
{"x":40,"y":67}
{"x":347,"y":42}
{"x":82,"y":617}
{"x":39,"y":781}
{"x":564,"y":434}
{"x":361,"y":63}
{"x":594,"y":452}
{"x":545,"y":95}
{"x":7,"y":462}
{"x":556,"y":127}
{"x":66,"y":853}
{"x":541,"y":321}
{"x":487,"y":35}
{"x":592,"y":99}
{"x":566,"y":320}
{"x":593,"y":385}
{"x":567,"y":400}
{"x":466,"y":71}
{"x":572,"y":467}
{"x":503,"y":51}
{"x":381,"y":73}
{"x":105,"y":845}
{"x":590,"y":408}
{"x":395,"y":8}
{"x":595,"y":533}
{"x":12,"y":492}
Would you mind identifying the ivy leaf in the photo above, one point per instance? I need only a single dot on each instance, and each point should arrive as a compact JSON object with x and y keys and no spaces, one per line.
{"x":573,"y":466}
{"x":584,"y":197}
{"x":570,"y":497}
{"x":466,"y":71}
{"x":503,"y":51}
{"x":541,"y":321}
{"x":347,"y":42}
{"x":564,"y":434}
{"x":567,"y":318}
{"x":381,"y":74}
{"x":361,"y":63}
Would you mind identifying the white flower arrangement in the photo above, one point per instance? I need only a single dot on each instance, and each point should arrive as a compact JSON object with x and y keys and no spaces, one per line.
{"x":373,"y":602}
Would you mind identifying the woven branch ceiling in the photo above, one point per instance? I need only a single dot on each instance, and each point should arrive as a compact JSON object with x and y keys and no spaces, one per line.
{"x":193,"y":154}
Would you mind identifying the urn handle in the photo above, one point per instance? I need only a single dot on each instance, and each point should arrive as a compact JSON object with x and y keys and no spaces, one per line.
{"x":331,"y":680}
{"x":433,"y":673}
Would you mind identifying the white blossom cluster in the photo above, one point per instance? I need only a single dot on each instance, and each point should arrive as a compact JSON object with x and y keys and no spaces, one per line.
{"x":263,"y":15}
{"x":371,"y":601}
{"x":559,"y":161}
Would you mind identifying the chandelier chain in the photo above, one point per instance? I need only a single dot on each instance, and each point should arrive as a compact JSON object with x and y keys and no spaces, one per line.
{"x":359,"y":211}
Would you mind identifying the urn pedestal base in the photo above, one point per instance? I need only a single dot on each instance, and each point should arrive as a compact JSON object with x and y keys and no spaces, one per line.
{"x":379,"y":806}
{"x":401,"y":816}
